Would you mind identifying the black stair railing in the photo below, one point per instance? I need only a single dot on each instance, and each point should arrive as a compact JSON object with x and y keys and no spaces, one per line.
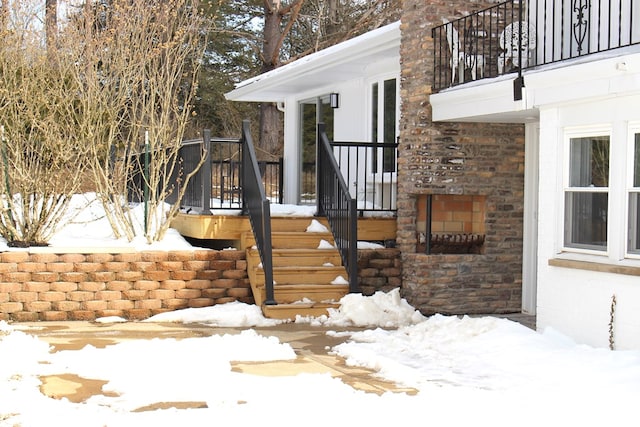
{"x":335,"y":202}
{"x":257,"y":207}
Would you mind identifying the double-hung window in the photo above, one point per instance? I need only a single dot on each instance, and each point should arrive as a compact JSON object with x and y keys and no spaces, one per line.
{"x":633,"y":245}
{"x":586,"y":195}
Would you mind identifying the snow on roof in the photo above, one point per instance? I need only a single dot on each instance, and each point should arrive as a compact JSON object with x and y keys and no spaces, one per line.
{"x":336,"y":63}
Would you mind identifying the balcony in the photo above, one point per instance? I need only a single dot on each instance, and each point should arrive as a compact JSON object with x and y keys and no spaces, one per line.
{"x":518,"y":35}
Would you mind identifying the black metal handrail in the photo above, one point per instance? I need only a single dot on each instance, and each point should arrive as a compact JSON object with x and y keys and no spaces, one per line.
{"x":335,"y":202}
{"x":217,"y":183}
{"x":191,"y":155}
{"x":197,"y":195}
{"x":257,"y":206}
{"x":519,"y":34}
{"x":370,"y":169}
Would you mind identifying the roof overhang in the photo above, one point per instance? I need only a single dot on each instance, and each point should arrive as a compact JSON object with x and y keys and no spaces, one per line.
{"x":342,"y":62}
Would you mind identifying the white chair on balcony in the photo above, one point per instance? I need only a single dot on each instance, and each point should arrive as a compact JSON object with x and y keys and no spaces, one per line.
{"x":460,"y":60}
{"x":516,"y":46}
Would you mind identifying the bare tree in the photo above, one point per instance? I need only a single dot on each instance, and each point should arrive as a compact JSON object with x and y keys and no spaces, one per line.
{"x":121,"y":70}
{"x":4,"y":15}
{"x":304,"y":26}
{"x":138,"y":65}
{"x":334,"y":21}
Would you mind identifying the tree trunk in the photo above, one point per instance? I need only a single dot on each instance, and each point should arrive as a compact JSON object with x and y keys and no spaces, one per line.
{"x":4,"y":15}
{"x":51,"y":25}
{"x":270,"y":117}
{"x":333,"y":17}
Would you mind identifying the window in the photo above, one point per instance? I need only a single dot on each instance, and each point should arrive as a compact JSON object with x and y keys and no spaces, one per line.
{"x":587,"y":193}
{"x":634,"y":198}
{"x":312,"y":112}
{"x":384,"y":123}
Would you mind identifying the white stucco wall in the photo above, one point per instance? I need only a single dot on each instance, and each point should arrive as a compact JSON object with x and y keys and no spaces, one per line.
{"x":351,"y":119}
{"x":574,"y":301}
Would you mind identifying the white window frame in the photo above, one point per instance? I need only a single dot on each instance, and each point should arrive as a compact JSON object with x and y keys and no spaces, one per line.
{"x":380,"y":79}
{"x":583,"y":132}
{"x":633,"y":130}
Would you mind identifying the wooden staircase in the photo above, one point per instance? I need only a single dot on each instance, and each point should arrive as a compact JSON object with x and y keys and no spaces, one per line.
{"x":308,"y":273}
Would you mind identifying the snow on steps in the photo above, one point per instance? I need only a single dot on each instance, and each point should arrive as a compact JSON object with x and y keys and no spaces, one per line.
{"x":307,"y":269}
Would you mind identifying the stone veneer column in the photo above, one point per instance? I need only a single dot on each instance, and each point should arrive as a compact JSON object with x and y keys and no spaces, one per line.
{"x":456,"y":158}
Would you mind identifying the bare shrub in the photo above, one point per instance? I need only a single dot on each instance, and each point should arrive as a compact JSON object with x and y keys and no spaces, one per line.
{"x":115,"y":72}
{"x":137,"y":66}
{"x":38,"y":112}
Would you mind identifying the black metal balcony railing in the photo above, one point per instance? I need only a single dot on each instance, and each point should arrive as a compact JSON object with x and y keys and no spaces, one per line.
{"x":369,"y":169}
{"x":520,"y":34}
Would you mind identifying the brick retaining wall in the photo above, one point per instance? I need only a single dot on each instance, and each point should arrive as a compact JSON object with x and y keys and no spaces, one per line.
{"x":46,"y":286}
{"x":137,"y":285}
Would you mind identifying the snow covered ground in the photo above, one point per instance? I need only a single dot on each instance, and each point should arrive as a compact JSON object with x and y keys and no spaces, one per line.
{"x":85,"y":225}
{"x":468,"y":371}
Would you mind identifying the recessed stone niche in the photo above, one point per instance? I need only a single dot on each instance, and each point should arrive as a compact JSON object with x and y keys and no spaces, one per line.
{"x":450,"y":224}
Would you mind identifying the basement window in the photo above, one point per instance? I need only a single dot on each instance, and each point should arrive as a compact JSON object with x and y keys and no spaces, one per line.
{"x":450,"y":224}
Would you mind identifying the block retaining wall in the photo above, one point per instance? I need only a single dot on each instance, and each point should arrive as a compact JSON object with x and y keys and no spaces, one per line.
{"x":76,"y":286}
{"x":379,"y":270}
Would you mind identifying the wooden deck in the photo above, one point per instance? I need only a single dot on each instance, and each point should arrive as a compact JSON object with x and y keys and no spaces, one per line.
{"x":306,"y":277}
{"x":230,"y":227}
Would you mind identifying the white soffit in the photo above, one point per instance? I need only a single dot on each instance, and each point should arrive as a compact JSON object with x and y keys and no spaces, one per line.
{"x":490,"y":101}
{"x":342,"y":62}
{"x":587,"y":79}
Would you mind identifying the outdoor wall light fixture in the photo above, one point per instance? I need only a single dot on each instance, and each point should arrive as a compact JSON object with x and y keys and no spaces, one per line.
{"x":334,"y":100}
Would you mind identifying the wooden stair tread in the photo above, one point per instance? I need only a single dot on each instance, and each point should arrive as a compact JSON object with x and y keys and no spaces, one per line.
{"x":287,"y":268}
{"x":303,"y":275}
{"x":294,"y":251}
{"x":307,"y":286}
{"x":290,"y":311}
{"x":291,"y":293}
{"x":294,"y":256}
{"x":293,"y":224}
{"x":303,"y":270}
{"x":292,"y":240}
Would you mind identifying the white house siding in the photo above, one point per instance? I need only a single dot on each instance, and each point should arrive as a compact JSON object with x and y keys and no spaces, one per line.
{"x":346,"y":69}
{"x":351,"y":119}
{"x":574,"y":301}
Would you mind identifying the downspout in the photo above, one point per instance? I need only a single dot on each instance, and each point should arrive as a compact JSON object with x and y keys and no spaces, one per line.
{"x":518,"y":83}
